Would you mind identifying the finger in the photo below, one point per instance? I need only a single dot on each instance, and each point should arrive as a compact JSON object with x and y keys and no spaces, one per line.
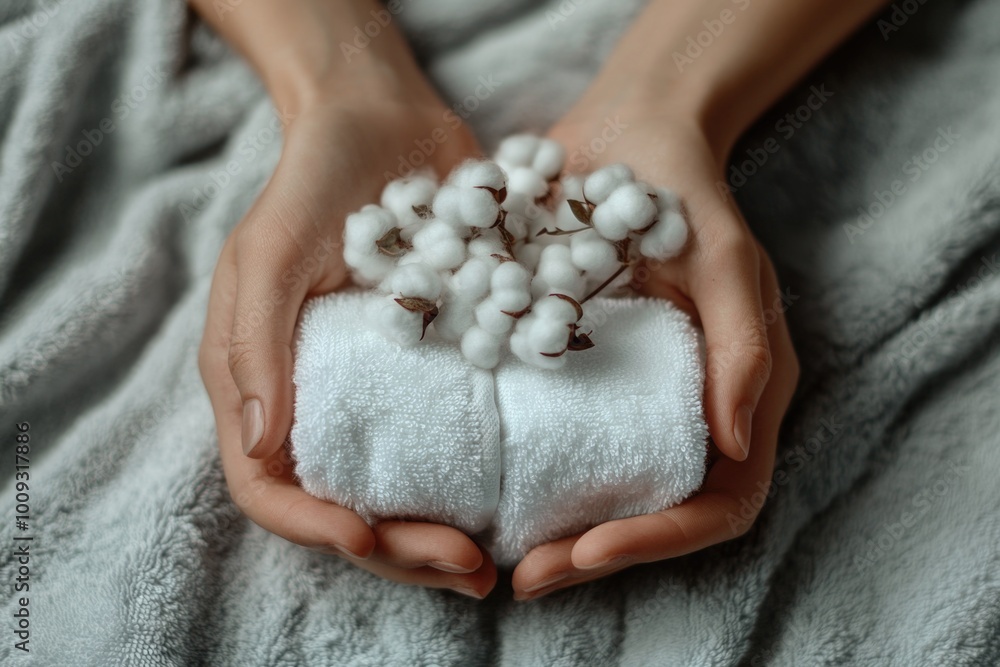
{"x":726,"y":291}
{"x":412,"y":544}
{"x":476,"y":584}
{"x":276,"y":268}
{"x":550,"y":568}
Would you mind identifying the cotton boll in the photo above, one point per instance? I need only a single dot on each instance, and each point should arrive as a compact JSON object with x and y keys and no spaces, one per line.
{"x":572,"y":186}
{"x":529,"y":254}
{"x":481,"y":348}
{"x":447,"y":203}
{"x":549,"y":158}
{"x":472,"y":280}
{"x":486,"y":244}
{"x":402,"y":195}
{"x":632,"y":204}
{"x":527,"y":181}
{"x":510,"y":275}
{"x":478,"y":174}
{"x":518,"y":150}
{"x":439,"y":246}
{"x":600,"y":184}
{"x":552,"y":308}
{"x":512,"y":300}
{"x":666,"y":200}
{"x":395,"y":323}
{"x":520,"y":345}
{"x":517,"y":225}
{"x":455,"y":318}
{"x":363,"y":228}
{"x":609,"y":223}
{"x":591,"y":253}
{"x":549,"y":336}
{"x":416,"y":280}
{"x":666,"y":238}
{"x":478,"y":208}
{"x":368,"y":269}
{"x":556,"y":273}
{"x":490,"y":317}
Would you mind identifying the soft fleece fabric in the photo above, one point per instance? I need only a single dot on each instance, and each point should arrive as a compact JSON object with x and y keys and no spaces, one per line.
{"x":517,"y":456}
{"x":879,"y":546}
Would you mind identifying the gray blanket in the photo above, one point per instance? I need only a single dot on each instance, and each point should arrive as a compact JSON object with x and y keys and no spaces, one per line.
{"x":878,"y":197}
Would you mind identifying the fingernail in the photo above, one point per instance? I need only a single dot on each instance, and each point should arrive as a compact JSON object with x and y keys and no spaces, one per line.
{"x":253,"y":424}
{"x":449,"y":567}
{"x":468,"y":592}
{"x":607,"y":562}
{"x":545,"y":583}
{"x":741,"y":429}
{"x":348,"y":552}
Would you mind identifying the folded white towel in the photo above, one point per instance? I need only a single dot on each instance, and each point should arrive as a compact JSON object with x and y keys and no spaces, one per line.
{"x":419,"y":433}
{"x":409,"y":433}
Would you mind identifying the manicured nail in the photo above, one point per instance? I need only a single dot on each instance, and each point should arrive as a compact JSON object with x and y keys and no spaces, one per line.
{"x":469,"y":592}
{"x":545,"y":583}
{"x":741,"y":429}
{"x":449,"y":567}
{"x":607,"y":562}
{"x":253,"y":424}
{"x":348,"y":552}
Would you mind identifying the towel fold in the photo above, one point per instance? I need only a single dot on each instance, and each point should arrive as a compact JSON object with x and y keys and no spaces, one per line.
{"x":419,"y":433}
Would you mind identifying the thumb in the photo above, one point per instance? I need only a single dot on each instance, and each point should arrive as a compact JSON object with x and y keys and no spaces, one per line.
{"x":738,"y":362}
{"x":271,"y":285}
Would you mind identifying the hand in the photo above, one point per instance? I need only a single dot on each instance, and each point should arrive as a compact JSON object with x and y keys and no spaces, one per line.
{"x":337,"y":149}
{"x":725,"y":280}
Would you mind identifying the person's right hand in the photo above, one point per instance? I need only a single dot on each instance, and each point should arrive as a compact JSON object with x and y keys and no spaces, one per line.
{"x":337,"y":150}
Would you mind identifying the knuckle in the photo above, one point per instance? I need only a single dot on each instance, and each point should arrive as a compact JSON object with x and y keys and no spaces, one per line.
{"x":241,"y":357}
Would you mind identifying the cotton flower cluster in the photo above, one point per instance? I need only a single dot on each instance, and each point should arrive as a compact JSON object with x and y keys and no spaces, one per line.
{"x":505,"y":253}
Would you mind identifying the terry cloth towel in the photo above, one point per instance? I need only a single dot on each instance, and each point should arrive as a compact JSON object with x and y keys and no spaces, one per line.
{"x":419,"y":433}
{"x":389,"y":431}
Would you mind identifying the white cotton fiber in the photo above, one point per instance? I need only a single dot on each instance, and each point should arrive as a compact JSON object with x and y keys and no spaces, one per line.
{"x":439,"y":245}
{"x":631,"y":202}
{"x":481,"y":347}
{"x":517,"y":150}
{"x":666,"y":238}
{"x":415,"y":280}
{"x":600,"y":184}
{"x":556,"y":273}
{"x":549,"y":158}
{"x":527,"y":181}
{"x":591,"y":253}
{"x":394,"y":322}
{"x":403,"y":195}
{"x":478,"y":174}
{"x":361,"y":230}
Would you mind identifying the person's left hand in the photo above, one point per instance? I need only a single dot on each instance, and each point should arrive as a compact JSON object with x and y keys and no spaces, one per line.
{"x":723,"y":278}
